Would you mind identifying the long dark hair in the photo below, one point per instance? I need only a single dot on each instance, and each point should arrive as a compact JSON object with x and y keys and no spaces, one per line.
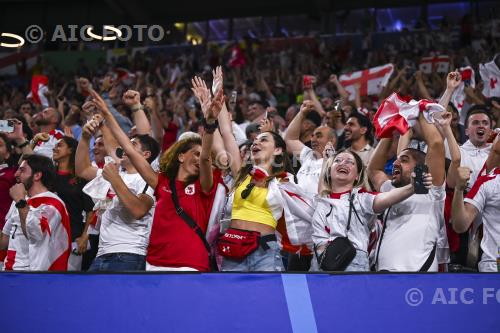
{"x":280,"y":164}
{"x":72,"y":145}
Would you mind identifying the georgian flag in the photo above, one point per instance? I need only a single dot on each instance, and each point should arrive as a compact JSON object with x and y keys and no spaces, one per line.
{"x":124,"y":75}
{"x":458,"y":97}
{"x":490,"y":74}
{"x":39,"y":86}
{"x":440,"y":64}
{"x":372,"y":80}
{"x":399,"y":114}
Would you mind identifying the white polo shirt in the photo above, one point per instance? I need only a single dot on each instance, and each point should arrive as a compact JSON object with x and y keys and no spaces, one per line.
{"x":473,"y":158}
{"x":310,"y":170}
{"x":119,"y":231}
{"x":413,"y":227}
{"x":485,"y":196}
{"x":332,"y":214}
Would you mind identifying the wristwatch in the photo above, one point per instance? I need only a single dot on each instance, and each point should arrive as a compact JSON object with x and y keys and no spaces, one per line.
{"x":24,"y":144}
{"x":136,"y":108}
{"x":21,"y":203}
{"x":210,"y":128}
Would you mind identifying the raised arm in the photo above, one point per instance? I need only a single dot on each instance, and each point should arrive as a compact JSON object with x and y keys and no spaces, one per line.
{"x":424,"y":93}
{"x":444,"y":126}
{"x":211,"y":109}
{"x":132,"y":99}
{"x":377,"y":163}
{"x":137,"y":205}
{"x":452,"y":82}
{"x":493,"y":160}
{"x":226,"y":130}
{"x":344,"y":95}
{"x":462,"y":214}
{"x":292,"y":136}
{"x":386,"y":199}
{"x":139,"y":162}
{"x":83,"y":167}
{"x":434,"y":158}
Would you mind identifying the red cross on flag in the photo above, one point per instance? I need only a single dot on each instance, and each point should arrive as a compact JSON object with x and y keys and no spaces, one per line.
{"x":458,"y":97}
{"x":399,"y":114}
{"x":371,"y":80}
{"x":39,"y":86}
{"x":440,"y":64}
{"x":490,"y":73}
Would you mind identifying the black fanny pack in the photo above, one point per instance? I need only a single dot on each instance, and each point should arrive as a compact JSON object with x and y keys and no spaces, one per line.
{"x":340,"y":252}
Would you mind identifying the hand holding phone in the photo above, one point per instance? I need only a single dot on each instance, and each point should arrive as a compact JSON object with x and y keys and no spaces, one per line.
{"x":418,"y":185}
{"x":7,"y":126}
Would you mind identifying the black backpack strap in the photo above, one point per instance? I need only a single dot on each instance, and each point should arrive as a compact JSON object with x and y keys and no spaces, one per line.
{"x":189,"y":221}
{"x":430,"y":260}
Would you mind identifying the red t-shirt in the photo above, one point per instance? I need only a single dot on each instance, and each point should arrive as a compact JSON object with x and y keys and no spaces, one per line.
{"x":172,"y":242}
{"x":170,"y":136}
{"x":7,"y":180}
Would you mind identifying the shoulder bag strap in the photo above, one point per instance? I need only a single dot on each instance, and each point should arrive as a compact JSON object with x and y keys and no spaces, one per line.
{"x":189,"y":221}
{"x":384,"y":226}
{"x":430,"y":260}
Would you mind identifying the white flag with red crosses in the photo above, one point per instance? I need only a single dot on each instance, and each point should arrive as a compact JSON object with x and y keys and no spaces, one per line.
{"x":490,"y":74}
{"x":439,"y":64}
{"x":371,"y":80}
{"x":458,"y":97}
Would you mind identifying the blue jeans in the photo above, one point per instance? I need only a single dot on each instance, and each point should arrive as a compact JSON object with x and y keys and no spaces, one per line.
{"x":118,"y":262}
{"x":259,"y":261}
{"x":359,"y":263}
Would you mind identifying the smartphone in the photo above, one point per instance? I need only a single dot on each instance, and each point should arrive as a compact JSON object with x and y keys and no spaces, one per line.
{"x":233,"y":99}
{"x":7,"y":126}
{"x":307,"y":81}
{"x":419,"y":186}
{"x":119,"y":152}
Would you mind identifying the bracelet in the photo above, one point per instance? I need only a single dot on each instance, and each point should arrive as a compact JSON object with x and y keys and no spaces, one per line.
{"x":210,"y":128}
{"x":24,"y":144}
{"x":136,"y":108}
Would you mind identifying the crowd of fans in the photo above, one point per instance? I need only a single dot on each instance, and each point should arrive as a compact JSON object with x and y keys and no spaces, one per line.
{"x":251,"y":158}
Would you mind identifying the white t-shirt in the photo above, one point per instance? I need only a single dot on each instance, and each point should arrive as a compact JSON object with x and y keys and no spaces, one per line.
{"x":119,"y":231}
{"x":473,"y":158}
{"x":485,"y":196}
{"x":413,"y":227}
{"x":310,"y":170}
{"x":18,"y":251}
{"x":332,"y":214}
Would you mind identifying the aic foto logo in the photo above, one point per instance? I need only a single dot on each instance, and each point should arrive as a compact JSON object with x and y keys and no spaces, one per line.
{"x":87,"y":33}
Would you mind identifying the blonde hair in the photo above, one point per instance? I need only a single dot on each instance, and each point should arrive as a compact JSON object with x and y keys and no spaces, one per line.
{"x":326,"y":172}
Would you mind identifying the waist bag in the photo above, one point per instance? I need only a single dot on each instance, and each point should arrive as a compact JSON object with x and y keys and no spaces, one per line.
{"x":237,"y":244}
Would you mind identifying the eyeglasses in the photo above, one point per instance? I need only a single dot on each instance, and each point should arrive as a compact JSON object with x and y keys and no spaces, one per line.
{"x":347,"y":161}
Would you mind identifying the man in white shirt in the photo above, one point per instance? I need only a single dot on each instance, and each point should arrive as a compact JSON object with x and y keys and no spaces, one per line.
{"x":42,"y":220}
{"x":126,"y":224}
{"x":311,"y":159}
{"x":411,"y":228}
{"x":474,"y":151}
{"x":48,"y":120}
{"x":483,"y":200}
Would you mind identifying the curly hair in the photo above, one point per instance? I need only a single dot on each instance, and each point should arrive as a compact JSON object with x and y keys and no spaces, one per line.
{"x":169,"y":162}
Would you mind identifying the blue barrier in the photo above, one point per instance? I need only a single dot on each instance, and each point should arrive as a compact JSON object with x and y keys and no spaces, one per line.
{"x":226,"y":302}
